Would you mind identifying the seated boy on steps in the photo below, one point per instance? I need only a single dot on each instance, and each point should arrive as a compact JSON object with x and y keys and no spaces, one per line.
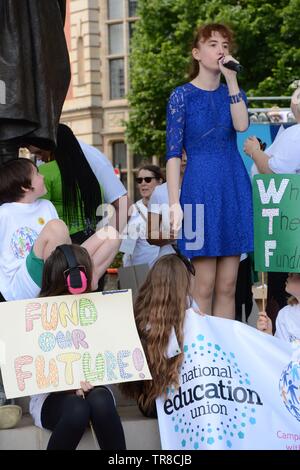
{"x":30,"y":230}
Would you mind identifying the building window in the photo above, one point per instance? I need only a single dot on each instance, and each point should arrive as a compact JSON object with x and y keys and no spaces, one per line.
{"x":115,"y":9}
{"x":120,"y":21}
{"x":132,"y":6}
{"x":119,"y":158}
{"x":117,"y":79}
{"x":116,"y":41}
{"x":120,"y":155}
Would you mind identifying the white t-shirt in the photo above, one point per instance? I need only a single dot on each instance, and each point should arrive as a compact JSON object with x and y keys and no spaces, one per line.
{"x":35,"y":407}
{"x":20,"y":225}
{"x":288,"y":323}
{"x":284,"y":152}
{"x":136,"y":248}
{"x":159,"y":204}
{"x":112,"y":187}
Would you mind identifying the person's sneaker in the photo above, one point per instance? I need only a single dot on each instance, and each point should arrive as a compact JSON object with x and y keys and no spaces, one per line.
{"x":10,"y":415}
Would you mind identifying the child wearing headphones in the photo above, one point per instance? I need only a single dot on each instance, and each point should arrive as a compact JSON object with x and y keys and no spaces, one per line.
{"x":30,"y":230}
{"x":67,"y":414}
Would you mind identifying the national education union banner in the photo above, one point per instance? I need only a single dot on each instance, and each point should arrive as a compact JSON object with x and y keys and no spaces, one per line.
{"x":240,"y":390}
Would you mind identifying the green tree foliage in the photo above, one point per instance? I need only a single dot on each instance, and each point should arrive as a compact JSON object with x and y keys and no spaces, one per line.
{"x":268,"y":39}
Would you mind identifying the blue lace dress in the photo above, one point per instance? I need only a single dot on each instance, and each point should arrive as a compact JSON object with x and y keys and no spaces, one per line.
{"x":216,"y":193}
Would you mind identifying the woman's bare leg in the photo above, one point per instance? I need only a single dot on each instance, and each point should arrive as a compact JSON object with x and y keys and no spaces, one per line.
{"x":204,"y":282}
{"x":102,"y":247}
{"x":224,"y":296}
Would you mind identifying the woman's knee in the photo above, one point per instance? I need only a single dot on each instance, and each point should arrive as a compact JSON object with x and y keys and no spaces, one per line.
{"x":226,"y":288}
{"x":56,"y":227}
{"x":100,"y":398}
{"x":205,"y":289}
{"x":77,"y":412}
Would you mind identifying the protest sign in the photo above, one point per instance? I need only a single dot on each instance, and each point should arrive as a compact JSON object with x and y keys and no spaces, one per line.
{"x":52,"y":343}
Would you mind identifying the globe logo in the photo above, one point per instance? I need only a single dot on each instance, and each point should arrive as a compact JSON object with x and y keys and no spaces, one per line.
{"x":22,"y":241}
{"x":216,"y":404}
{"x":289,"y":388}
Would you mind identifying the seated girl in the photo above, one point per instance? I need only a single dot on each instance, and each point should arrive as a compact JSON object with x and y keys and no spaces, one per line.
{"x":67,"y":414}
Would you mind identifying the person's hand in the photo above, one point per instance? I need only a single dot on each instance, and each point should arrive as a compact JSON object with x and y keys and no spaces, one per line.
{"x":85,"y":388}
{"x":250,"y":145}
{"x":264,"y":323}
{"x":228,"y":73}
{"x":176,"y":217}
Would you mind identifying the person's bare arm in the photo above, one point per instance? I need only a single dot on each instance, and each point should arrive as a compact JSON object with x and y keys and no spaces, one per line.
{"x":121,"y":206}
{"x":173,"y":182}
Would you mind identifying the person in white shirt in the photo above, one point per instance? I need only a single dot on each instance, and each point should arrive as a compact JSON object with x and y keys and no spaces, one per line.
{"x":114,"y":192}
{"x":159,"y":229}
{"x":288,"y":319}
{"x":90,"y":169}
{"x":283,"y":156}
{"x":30,"y":231}
{"x":135,"y":246}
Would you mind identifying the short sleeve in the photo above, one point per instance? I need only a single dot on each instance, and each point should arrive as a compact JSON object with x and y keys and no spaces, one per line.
{"x":112,"y":187}
{"x":285,"y":157}
{"x":175,"y":124}
{"x":281,"y":329}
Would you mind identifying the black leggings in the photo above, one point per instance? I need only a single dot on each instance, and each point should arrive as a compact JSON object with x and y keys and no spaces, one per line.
{"x":68,"y":416}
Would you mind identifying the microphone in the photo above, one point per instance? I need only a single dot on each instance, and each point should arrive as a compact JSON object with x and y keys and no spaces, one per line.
{"x":233,"y":66}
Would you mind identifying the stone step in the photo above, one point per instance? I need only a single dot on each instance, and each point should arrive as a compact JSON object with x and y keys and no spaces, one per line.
{"x":141,"y":433}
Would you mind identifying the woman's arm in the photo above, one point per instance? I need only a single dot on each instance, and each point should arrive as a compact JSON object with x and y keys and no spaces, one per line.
{"x":261,"y":159}
{"x":173,"y":183}
{"x":238,"y":109}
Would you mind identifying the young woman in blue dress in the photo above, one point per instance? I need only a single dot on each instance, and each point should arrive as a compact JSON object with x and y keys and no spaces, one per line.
{"x":203,"y":117}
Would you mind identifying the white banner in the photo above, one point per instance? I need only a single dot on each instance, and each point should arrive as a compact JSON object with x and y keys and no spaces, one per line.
{"x":52,"y":343}
{"x":240,"y":389}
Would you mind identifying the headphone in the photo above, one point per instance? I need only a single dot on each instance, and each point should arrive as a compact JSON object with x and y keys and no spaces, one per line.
{"x":75,"y":274}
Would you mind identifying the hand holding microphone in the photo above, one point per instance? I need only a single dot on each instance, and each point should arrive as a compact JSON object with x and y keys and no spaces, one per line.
{"x":231,"y":64}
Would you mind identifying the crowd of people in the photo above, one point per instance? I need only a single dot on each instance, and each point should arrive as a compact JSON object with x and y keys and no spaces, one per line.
{"x":189,"y":231}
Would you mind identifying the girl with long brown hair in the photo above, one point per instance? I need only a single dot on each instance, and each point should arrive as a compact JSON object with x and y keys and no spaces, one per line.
{"x":160,"y":310}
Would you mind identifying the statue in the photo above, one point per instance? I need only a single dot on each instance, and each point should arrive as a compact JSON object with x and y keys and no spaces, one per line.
{"x":34,"y":73}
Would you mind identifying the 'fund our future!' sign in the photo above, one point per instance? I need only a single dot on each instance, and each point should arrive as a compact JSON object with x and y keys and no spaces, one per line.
{"x":277,"y":222}
{"x":239,"y":389}
{"x":52,"y":343}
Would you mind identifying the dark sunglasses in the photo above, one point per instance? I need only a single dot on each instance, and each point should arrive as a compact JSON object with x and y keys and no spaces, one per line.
{"x":147,"y":179}
{"x":189,"y":266}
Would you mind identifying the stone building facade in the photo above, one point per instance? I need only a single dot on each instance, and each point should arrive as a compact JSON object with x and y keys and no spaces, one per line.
{"x":98,"y":33}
